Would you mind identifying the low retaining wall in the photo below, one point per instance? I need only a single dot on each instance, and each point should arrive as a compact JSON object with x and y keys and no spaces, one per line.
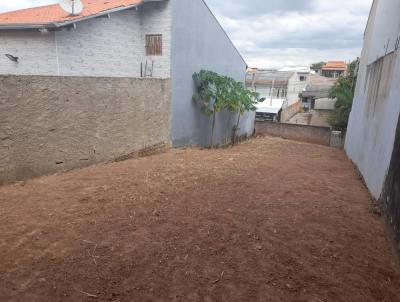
{"x":309,"y":134}
{"x":289,"y":112}
{"x":50,"y":124}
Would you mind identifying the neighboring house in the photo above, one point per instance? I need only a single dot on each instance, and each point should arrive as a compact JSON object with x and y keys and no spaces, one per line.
{"x":373,"y":135}
{"x":334,"y":69}
{"x":284,"y":85}
{"x":269,"y":110}
{"x":269,"y":83}
{"x":315,"y":102}
{"x":318,"y":115}
{"x":317,"y":88}
{"x":103,"y":85}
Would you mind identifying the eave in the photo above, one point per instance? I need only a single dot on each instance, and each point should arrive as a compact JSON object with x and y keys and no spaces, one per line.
{"x":56,"y":25}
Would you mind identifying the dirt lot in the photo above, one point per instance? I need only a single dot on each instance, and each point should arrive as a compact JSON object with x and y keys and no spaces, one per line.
{"x":269,"y":220}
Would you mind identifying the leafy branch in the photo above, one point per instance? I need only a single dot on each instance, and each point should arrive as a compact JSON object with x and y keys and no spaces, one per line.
{"x":216,"y":93}
{"x":343,"y":92}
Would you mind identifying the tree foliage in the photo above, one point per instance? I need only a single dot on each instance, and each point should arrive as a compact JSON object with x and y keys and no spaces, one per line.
{"x":317,"y":66}
{"x":343,"y":92}
{"x":216,"y":93}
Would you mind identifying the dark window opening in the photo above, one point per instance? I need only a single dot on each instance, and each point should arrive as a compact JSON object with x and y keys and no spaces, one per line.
{"x":153,"y":45}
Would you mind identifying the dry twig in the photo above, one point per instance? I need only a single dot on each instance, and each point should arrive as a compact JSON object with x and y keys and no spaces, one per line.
{"x":87,"y":294}
{"x":220,"y":278}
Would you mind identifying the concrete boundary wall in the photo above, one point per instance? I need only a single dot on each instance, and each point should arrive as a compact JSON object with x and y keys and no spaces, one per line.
{"x":50,"y":124}
{"x":390,"y":199}
{"x":309,"y":134}
{"x":376,"y":107}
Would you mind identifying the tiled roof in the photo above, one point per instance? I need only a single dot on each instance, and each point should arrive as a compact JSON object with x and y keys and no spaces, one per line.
{"x":335,"y":65}
{"x":49,"y":14}
{"x":316,"y":79}
{"x":267,"y":77}
{"x":319,"y":86}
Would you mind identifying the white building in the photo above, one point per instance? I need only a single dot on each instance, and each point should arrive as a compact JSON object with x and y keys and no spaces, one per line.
{"x":373,"y":136}
{"x":159,"y":42}
{"x":286,"y":85}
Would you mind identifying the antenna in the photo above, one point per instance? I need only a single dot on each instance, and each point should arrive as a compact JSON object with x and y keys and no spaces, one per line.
{"x":72,"y":7}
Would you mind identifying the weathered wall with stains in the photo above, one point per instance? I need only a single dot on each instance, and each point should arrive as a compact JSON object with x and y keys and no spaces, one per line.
{"x":50,"y":124}
{"x":375,"y":112}
{"x":391,"y":194}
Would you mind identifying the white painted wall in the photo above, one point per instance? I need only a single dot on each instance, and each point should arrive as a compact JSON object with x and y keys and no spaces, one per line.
{"x":374,"y":116}
{"x":104,"y":47}
{"x":295,"y":87}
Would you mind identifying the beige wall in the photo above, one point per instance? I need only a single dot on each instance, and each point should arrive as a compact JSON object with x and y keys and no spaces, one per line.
{"x":50,"y":124}
{"x":303,"y":133}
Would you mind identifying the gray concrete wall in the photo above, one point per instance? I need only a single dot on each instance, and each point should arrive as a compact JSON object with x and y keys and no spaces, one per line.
{"x":50,"y":124}
{"x":105,"y":47}
{"x":309,"y":134}
{"x":390,"y":200}
{"x":376,"y":106}
{"x":199,"y":42}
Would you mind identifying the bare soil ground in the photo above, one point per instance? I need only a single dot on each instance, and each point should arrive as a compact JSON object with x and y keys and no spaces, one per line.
{"x":269,"y":220}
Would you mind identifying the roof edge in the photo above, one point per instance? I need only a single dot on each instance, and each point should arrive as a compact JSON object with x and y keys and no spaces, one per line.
{"x":54,"y":25}
{"x":223,"y":29}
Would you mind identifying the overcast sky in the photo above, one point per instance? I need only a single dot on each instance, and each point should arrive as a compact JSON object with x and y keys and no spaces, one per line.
{"x":282,"y":33}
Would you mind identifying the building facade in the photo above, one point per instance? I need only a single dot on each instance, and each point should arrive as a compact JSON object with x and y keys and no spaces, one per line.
{"x":317,"y":88}
{"x":276,"y":85}
{"x":334,"y":69}
{"x":373,"y":136}
{"x":117,"y":79}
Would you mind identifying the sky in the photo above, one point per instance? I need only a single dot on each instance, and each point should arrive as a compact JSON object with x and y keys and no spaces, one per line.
{"x":282,"y":33}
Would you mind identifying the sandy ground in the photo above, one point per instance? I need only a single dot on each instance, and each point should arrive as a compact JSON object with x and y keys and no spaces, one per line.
{"x":269,"y":220}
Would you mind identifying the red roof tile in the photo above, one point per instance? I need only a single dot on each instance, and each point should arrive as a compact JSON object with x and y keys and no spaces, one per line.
{"x":54,"y":14}
{"x":335,"y":65}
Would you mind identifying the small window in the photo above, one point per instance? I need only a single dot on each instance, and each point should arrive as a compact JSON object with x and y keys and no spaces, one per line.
{"x":153,"y":45}
{"x":303,"y":78}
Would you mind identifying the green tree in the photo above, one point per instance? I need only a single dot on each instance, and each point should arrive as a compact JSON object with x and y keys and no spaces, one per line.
{"x":216,"y":92}
{"x":343,"y":92}
{"x":317,"y":66}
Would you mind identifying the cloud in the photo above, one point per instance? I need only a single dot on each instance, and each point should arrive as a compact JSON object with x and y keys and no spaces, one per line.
{"x":14,"y":5}
{"x":278,"y":33}
{"x":252,"y":8}
{"x":285,"y":33}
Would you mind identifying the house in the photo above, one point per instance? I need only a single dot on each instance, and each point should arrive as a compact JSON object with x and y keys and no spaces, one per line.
{"x":319,"y":115}
{"x":279,"y":84}
{"x":315,"y":101}
{"x":270,"y":110}
{"x":373,"y":134}
{"x":108,"y":83}
{"x":334,"y":69}
{"x":317,"y":88}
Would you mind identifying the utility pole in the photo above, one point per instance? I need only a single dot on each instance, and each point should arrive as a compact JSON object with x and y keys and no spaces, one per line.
{"x":272,"y":89}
